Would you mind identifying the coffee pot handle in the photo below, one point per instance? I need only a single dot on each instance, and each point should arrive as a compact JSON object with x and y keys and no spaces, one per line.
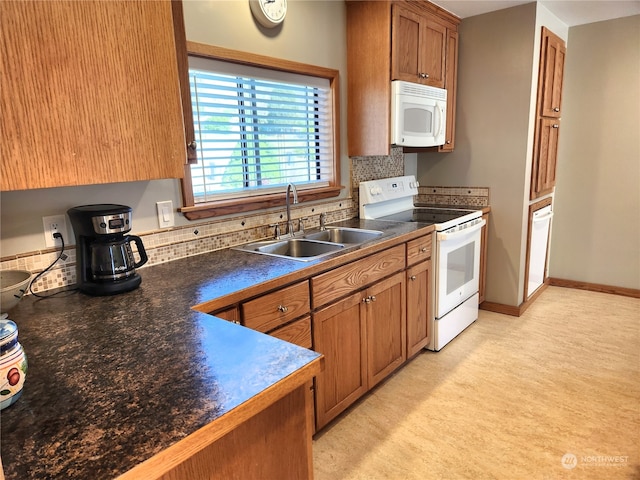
{"x":141,"y":251}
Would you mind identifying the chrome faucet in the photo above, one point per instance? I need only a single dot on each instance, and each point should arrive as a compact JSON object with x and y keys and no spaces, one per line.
{"x":290,"y":187}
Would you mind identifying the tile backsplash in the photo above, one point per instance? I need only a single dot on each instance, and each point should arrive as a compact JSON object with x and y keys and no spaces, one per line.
{"x":453,"y":196}
{"x":178,"y":242}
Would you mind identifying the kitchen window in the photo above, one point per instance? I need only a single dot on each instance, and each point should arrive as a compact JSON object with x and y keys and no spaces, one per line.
{"x":259,"y":125}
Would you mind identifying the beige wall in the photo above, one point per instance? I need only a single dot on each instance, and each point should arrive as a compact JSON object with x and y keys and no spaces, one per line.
{"x":313,"y":32}
{"x":493,"y":131}
{"x":596,"y":228}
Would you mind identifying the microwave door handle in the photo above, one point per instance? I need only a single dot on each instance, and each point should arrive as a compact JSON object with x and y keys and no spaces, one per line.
{"x":441,"y":110}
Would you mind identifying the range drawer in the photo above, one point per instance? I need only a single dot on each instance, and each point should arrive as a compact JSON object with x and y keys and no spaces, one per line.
{"x":277,"y":308}
{"x":419,"y":249}
{"x":353,"y":276}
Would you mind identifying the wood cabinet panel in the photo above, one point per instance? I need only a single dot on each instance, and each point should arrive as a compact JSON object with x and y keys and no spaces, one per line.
{"x":543,"y":174}
{"x":298,"y":332}
{"x":484,"y":238}
{"x":278,"y":439}
{"x":231,"y":314}
{"x":89,"y":94}
{"x":384,"y":309}
{"x":339,"y":334}
{"x":419,"y":249}
{"x":418,"y":307}
{"x":276,"y":308}
{"x":451,"y":84}
{"x":343,"y":280}
{"x":551,"y":74}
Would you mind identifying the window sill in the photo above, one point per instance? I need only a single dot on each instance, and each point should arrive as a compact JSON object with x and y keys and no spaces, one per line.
{"x":242,"y":205}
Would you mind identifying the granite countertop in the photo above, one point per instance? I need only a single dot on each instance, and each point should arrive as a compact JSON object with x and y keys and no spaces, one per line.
{"x":114,"y":380}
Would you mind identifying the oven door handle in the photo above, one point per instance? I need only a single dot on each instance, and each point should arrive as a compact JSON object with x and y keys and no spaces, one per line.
{"x":461,"y":233}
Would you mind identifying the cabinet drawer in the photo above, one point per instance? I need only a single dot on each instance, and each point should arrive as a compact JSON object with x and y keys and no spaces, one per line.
{"x":418,"y":249}
{"x":277,"y":308}
{"x":353,"y":276}
{"x":298,"y":332}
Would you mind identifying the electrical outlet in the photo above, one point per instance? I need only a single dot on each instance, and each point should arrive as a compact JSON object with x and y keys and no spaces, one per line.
{"x":55,"y":224}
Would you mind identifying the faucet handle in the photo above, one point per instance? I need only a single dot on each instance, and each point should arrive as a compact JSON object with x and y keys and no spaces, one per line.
{"x":323,"y":220}
{"x":301,"y":224}
{"x":277,"y":229}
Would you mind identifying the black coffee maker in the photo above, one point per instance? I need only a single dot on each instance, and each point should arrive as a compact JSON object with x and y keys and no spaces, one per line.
{"x":105,"y":262}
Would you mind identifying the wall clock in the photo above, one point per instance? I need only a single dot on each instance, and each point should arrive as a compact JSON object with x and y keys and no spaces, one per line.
{"x":269,"y":13}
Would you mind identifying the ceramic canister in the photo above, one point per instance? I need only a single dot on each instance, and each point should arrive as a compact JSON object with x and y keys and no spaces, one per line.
{"x":13,"y":364}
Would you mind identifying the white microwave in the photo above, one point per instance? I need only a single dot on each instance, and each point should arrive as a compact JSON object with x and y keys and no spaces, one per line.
{"x":418,"y":114}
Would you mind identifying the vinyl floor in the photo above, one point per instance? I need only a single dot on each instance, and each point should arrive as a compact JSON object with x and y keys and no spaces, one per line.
{"x":553,"y":394}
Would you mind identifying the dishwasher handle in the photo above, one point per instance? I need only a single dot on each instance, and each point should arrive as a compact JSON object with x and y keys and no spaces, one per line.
{"x":543,"y":217}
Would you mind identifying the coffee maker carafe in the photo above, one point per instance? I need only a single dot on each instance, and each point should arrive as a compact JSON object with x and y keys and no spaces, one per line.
{"x":105,"y":262}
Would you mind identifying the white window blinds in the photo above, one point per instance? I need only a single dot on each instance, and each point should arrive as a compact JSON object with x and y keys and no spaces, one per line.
{"x":258,"y":130}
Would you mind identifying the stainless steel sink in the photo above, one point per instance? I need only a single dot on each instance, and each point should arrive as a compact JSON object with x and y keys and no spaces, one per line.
{"x":345,"y":235}
{"x":302,"y":249}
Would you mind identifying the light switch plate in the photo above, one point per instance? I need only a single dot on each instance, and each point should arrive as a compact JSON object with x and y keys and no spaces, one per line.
{"x":165,"y":214}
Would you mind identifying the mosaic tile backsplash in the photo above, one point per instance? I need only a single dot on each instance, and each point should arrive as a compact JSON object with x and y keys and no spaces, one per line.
{"x":173,"y":243}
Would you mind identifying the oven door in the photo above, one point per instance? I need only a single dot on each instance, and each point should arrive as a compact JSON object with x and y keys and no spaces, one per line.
{"x":457,"y":267}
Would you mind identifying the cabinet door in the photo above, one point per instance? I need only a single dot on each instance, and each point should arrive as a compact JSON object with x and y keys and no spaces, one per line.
{"x":418,"y":48}
{"x":418,"y":307}
{"x":89,"y":94}
{"x":384,"y":309}
{"x":405,"y":44}
{"x":339,"y":334}
{"x":553,"y":52}
{"x":543,"y":175}
{"x":433,"y":51}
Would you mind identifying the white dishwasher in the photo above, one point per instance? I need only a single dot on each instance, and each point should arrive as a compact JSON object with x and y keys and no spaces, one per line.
{"x":540,"y":226}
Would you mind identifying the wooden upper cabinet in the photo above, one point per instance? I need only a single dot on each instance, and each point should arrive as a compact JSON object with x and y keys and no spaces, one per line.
{"x":89,"y":93}
{"x":548,"y":112}
{"x":551,"y":75}
{"x":418,"y":48}
{"x":410,"y":40}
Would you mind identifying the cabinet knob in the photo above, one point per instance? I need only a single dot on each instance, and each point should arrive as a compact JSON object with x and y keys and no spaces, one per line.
{"x":412,"y":277}
{"x":366,"y":300}
{"x":556,"y":109}
{"x":282,"y":309}
{"x":373,"y":298}
{"x":423,"y":75}
{"x":424,"y":249}
{"x":555,"y":125}
{"x":192,"y":145}
{"x":369,"y":299}
{"x":448,"y":142}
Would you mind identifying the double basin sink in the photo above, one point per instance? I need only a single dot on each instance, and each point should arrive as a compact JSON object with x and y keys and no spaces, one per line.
{"x":314,"y":244}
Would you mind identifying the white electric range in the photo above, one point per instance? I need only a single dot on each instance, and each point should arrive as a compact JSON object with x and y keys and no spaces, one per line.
{"x":456,"y":255}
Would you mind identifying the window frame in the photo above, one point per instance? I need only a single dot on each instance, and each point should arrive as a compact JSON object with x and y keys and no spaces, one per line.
{"x":257,"y":201}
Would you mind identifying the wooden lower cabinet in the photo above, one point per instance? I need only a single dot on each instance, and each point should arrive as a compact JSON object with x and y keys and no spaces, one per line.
{"x":339,"y":334}
{"x":386,"y":327}
{"x":363,"y":339}
{"x":418,"y":307}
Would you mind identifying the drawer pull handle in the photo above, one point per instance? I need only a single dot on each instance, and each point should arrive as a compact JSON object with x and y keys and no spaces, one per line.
{"x":282,"y":309}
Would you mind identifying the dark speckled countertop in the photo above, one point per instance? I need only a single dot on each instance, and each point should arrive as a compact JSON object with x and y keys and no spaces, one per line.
{"x":114,"y":380}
